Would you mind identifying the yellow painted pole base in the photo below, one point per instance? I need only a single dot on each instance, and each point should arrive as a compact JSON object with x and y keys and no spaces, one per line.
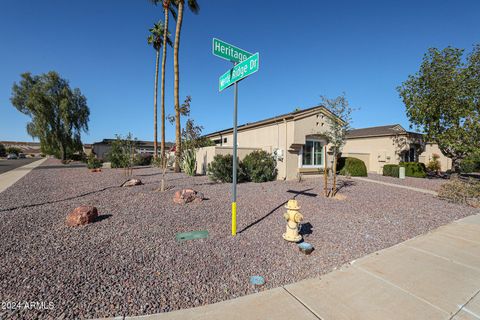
{"x":234,"y":218}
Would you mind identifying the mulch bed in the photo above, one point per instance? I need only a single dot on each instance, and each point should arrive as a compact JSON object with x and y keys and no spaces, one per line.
{"x":129,"y":263}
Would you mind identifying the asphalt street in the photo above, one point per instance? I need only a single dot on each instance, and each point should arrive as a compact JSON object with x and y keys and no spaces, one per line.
{"x":7,"y":165}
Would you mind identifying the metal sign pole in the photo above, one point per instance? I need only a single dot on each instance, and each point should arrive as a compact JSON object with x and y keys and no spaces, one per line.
{"x":234,"y":180}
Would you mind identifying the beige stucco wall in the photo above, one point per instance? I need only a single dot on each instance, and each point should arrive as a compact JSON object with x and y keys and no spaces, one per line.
{"x":427,"y":155}
{"x":378,"y":150}
{"x":286,"y":135}
{"x":205,"y":155}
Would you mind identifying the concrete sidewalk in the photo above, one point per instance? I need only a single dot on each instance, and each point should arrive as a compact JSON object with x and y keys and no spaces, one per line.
{"x":8,"y":178}
{"x":397,"y":185}
{"x":433,"y":276}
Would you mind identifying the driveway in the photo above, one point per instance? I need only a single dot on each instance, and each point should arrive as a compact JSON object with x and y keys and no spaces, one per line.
{"x":7,"y":165}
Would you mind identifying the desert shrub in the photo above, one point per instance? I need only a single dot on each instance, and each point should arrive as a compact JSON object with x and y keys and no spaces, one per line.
{"x":391,"y":170}
{"x":13,"y":150}
{"x":220,"y":169}
{"x":351,"y":167}
{"x":93,"y":162}
{"x":142,"y":159}
{"x":434,"y":164}
{"x":260,"y":166}
{"x":414,"y":169}
{"x":3,"y":150}
{"x":78,"y":157}
{"x":461,"y":191}
{"x":122,"y":151}
{"x":189,"y":164}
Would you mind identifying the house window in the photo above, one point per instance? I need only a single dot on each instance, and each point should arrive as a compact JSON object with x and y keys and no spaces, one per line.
{"x":410,"y":155}
{"x":312,"y":154}
{"x":224,"y":140}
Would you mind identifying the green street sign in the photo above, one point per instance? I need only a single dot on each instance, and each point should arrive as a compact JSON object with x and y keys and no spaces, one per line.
{"x":239,"y":72}
{"x":228,"y":52}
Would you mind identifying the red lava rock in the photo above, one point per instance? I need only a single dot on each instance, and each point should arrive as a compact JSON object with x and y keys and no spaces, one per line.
{"x":187,"y":195}
{"x":96,"y":170}
{"x":81,"y":216}
{"x":132,"y":182}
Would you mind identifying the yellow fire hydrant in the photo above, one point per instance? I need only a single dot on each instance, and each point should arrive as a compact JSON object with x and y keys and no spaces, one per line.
{"x":293,"y":218}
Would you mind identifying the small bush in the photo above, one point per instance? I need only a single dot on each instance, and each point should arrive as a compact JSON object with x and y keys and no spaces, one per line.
{"x":189,"y":164}
{"x":93,"y":162}
{"x":351,"y":167}
{"x":3,"y":151}
{"x":391,"y":170}
{"x":414,"y":169}
{"x":468,"y":166}
{"x":77,"y":157}
{"x":434,"y":165}
{"x":143,"y":159}
{"x":220,"y":169}
{"x":13,"y":150}
{"x":260,"y":166}
{"x":461,"y":191}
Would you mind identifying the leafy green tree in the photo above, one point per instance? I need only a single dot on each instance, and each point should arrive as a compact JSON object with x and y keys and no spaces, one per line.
{"x":337,"y":132}
{"x":194,"y":7}
{"x":58,"y":114}
{"x":443,"y":101}
{"x":13,"y":150}
{"x":155,"y":39}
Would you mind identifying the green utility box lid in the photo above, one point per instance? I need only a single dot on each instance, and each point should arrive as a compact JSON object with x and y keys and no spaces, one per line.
{"x":191,"y":235}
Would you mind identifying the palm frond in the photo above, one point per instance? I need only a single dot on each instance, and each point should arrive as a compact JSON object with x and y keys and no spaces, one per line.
{"x":193,"y":5}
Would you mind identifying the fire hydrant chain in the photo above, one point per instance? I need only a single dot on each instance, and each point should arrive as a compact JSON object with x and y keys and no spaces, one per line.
{"x":293,"y":218}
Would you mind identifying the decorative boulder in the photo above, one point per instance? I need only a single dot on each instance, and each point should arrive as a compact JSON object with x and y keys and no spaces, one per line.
{"x":132,"y":182}
{"x":187,"y":195}
{"x":81,"y":216}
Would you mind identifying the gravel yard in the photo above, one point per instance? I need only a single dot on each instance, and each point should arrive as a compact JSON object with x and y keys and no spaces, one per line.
{"x":129,"y":263}
{"x":423,"y":183}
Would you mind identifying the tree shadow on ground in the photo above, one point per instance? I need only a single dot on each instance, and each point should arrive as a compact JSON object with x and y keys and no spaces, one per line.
{"x":343,"y":184}
{"x":297,"y":193}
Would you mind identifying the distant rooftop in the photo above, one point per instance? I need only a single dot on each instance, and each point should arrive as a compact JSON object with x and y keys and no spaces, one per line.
{"x":388,"y":130}
{"x":140,"y":143}
{"x":272,"y":119}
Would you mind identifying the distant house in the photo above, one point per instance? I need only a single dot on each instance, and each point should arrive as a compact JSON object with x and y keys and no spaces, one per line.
{"x":390,"y":144}
{"x":297,"y":141}
{"x":102,"y":149}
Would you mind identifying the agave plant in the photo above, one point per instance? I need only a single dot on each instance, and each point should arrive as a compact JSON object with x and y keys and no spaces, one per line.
{"x":189,"y":162}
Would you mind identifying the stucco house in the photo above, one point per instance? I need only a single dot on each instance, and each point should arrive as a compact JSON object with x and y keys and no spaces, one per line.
{"x":296,"y":139}
{"x":390,"y":144}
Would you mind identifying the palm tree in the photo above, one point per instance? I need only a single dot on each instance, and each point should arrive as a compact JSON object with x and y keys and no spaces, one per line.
{"x":194,"y":7}
{"x":167,"y":7}
{"x":157,"y":39}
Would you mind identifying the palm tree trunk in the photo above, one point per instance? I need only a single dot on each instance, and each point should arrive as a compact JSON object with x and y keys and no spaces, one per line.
{"x":164,"y":60}
{"x":155,"y":143}
{"x":178,"y":140}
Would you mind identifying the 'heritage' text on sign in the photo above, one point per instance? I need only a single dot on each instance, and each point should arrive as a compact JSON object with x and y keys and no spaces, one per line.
{"x":228,"y":52}
{"x":239,"y":72}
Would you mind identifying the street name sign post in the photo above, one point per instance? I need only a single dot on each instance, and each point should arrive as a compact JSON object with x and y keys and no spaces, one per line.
{"x":238,"y":72}
{"x":229,"y":52}
{"x":244,"y":64}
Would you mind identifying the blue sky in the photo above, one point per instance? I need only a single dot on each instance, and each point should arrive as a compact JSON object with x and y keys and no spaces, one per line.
{"x":307,"y":49}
